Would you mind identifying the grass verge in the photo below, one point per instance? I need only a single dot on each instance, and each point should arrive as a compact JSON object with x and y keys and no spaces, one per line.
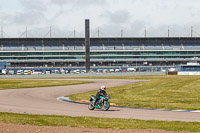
{"x":16,"y":84}
{"x":166,"y":92}
{"x":92,"y":122}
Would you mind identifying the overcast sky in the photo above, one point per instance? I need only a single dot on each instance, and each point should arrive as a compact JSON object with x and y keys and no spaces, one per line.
{"x":110,"y":16}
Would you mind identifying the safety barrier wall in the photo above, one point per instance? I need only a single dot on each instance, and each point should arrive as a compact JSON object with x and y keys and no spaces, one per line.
{"x":189,"y":73}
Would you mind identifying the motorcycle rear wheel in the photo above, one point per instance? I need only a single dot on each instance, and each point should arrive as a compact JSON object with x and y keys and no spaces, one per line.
{"x":90,"y":106}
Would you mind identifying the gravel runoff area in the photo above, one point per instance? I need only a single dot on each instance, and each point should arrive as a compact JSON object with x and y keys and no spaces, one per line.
{"x":17,"y":128}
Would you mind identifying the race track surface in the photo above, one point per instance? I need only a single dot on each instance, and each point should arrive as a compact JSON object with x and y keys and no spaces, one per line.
{"x":44,"y":101}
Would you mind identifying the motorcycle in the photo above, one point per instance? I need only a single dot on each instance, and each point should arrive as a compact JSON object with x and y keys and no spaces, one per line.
{"x":103,"y":103}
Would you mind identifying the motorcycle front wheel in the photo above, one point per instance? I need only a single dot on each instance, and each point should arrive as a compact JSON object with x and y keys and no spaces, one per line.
{"x":106,"y":106}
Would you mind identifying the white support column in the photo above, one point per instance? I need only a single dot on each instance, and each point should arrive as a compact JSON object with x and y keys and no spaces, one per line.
{"x":163,"y":47}
{"x":103,"y":46}
{"x":143,"y":46}
{"x":22,"y":47}
{"x":63,"y":47}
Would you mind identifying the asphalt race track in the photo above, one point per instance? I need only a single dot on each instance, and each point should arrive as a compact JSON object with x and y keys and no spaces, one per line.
{"x":44,"y":101}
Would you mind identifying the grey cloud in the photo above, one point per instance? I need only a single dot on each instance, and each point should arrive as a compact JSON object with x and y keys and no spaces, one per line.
{"x":137,"y":28}
{"x":30,"y":18}
{"x":5,"y":18}
{"x":118,"y":17}
{"x":60,"y":2}
{"x":23,"y":19}
{"x":106,"y":30}
{"x":37,"y":5}
{"x":57,"y":15}
{"x":79,"y":2}
{"x":91,"y":2}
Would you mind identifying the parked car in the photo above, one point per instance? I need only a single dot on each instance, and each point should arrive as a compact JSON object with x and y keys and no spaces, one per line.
{"x":67,"y":71}
{"x":171,"y":69}
{"x":76,"y":71}
{"x":99,"y":70}
{"x":83,"y":71}
{"x":36,"y":72}
{"x":112,"y":70}
{"x":105,"y":71}
{"x":57,"y":72}
{"x":117,"y":70}
{"x":63,"y":71}
{"x":29,"y":72}
{"x":48,"y":72}
{"x":19,"y":72}
{"x":11,"y":72}
{"x":143,"y":70}
{"x":131,"y":69}
{"x":25,"y":72}
{"x":3,"y":71}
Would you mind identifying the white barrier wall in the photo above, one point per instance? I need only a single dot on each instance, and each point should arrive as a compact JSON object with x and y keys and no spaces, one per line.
{"x":189,"y":73}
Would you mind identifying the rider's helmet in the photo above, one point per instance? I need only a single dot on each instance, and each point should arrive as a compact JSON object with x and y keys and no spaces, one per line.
{"x":103,"y":87}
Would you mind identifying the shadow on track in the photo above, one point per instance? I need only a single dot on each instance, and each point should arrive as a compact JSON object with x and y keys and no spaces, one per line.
{"x":111,"y":110}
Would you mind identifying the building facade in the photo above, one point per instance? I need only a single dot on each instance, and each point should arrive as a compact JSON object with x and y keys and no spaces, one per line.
{"x":70,"y":52}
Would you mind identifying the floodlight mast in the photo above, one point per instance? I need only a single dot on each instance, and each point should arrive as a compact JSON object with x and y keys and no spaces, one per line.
{"x":87,"y":45}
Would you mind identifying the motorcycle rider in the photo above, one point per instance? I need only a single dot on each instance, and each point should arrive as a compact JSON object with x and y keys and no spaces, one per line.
{"x":100,"y":92}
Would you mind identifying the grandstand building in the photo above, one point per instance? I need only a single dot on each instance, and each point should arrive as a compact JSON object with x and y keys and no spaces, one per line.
{"x":70,"y":52}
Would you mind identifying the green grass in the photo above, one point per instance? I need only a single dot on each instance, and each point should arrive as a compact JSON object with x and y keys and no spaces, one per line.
{"x":16,"y":84}
{"x":92,"y":122}
{"x":168,"y":92}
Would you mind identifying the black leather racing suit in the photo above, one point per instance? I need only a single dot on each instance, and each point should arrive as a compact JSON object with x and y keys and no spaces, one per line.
{"x":100,"y":92}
